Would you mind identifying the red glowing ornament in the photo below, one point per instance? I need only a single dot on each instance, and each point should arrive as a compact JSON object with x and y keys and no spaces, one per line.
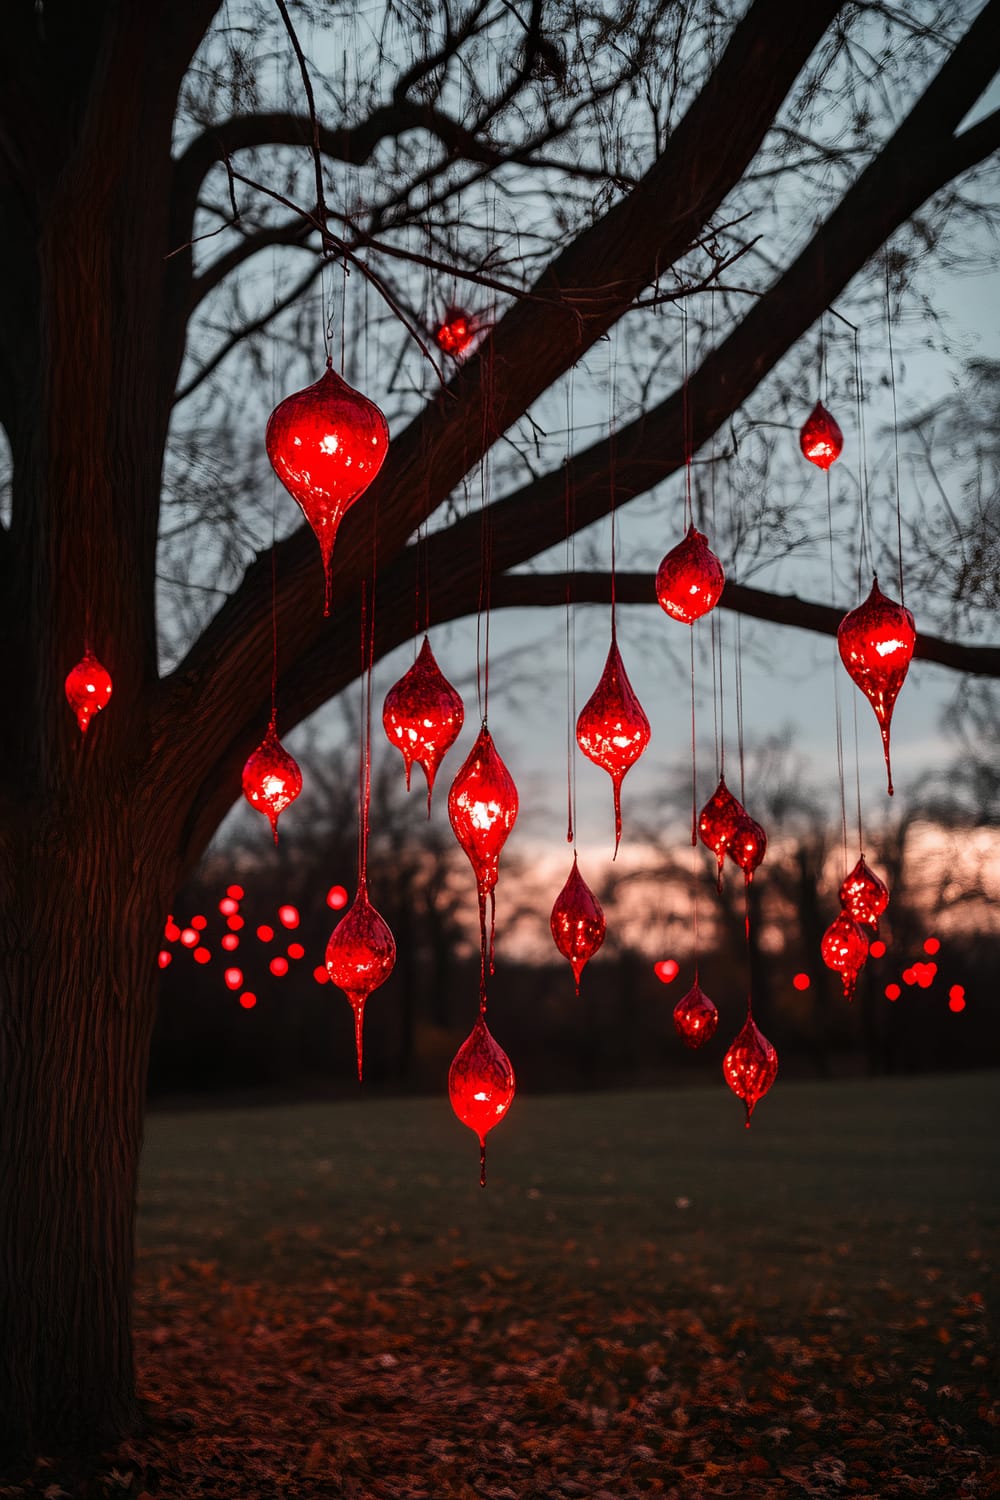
{"x":821,"y":440}
{"x":423,"y":716}
{"x":577,"y":922}
{"x":748,"y":845}
{"x":360,"y":955}
{"x":750,"y":1066}
{"x":864,"y":896}
{"x":690,"y":579}
{"x":718,"y":822}
{"x":482,"y":807}
{"x":88,"y":689}
{"x":876,"y":643}
{"x":695,"y":1017}
{"x":612,"y":729}
{"x":481,"y":1085}
{"x":271,"y":781}
{"x":456,"y":331}
{"x":326,"y":444}
{"x":845,"y":949}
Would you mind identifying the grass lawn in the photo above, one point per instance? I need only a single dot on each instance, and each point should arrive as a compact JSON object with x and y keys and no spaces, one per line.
{"x":646,"y":1300}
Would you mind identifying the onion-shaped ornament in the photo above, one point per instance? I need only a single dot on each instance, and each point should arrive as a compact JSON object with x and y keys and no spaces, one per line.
{"x":577,"y":922}
{"x":718,"y":822}
{"x":326,"y":444}
{"x":481,"y":1085}
{"x":482,"y":808}
{"x":360,"y":956}
{"x":747,"y":846}
{"x":271,"y":778}
{"x":690,"y":580}
{"x":695,"y":1017}
{"x":88,"y":689}
{"x":750,"y":1066}
{"x":845,"y":948}
{"x":876,"y":643}
{"x":821,"y":440}
{"x":612,"y":730}
{"x":423,"y":716}
{"x":863,"y":895}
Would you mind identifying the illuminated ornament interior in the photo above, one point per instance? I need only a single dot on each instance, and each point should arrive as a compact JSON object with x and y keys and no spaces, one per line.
{"x":876,"y":643}
{"x":482,"y":807}
{"x":690,"y":580}
{"x":612,"y":729}
{"x":845,"y":949}
{"x":577,"y":922}
{"x":423,"y":716}
{"x":821,"y":440}
{"x":748,"y":845}
{"x":863,"y":895}
{"x":326,"y":444}
{"x":750,"y":1066}
{"x":271,"y":781}
{"x":456,"y":331}
{"x":88,"y":689}
{"x":718,"y":822}
{"x":481,"y":1085}
{"x":360,"y":955}
{"x":695,"y":1017}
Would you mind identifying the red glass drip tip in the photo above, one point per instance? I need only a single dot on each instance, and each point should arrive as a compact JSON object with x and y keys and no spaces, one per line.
{"x":481,"y":1085}
{"x":750,"y":1066}
{"x":695,"y":1017}
{"x":718,"y":822}
{"x":271,"y":778}
{"x":577,"y":922}
{"x":326,"y":444}
{"x":360,"y":956}
{"x":863,"y":895}
{"x":821,"y":440}
{"x":88,"y":689}
{"x":482,"y":807}
{"x":876,"y":643}
{"x":423,"y":716}
{"x":612,"y":729}
{"x":690,"y":580}
{"x":845,"y":949}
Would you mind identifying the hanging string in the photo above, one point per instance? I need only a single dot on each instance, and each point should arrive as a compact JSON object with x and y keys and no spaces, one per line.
{"x":864,"y":548}
{"x":836,"y":678}
{"x":895,"y":429}
{"x":612,"y":476}
{"x":570,"y":626}
{"x":718,"y":681}
{"x":686,"y":421}
{"x":857,"y":783}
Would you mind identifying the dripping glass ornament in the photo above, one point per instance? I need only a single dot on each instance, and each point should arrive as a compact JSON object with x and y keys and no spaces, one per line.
{"x":750,"y":1066}
{"x":718,"y":822}
{"x":456,"y":331}
{"x":690,"y":579}
{"x":482,"y":808}
{"x":748,"y":845}
{"x":360,"y":956}
{"x":481,"y":1085}
{"x":271,"y":778}
{"x":695,"y":1017}
{"x":876,"y":643}
{"x":612,"y":729}
{"x":863,"y":895}
{"x":577,"y":922}
{"x":845,"y":948}
{"x":88,"y":689}
{"x":423,"y":716}
{"x":821,"y":440}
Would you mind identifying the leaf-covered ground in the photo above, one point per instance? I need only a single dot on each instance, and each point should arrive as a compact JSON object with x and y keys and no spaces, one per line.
{"x":647,"y":1300}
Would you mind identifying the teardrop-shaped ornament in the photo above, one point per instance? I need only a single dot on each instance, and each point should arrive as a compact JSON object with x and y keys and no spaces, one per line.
{"x":750,"y":1066}
{"x":695,"y":1017}
{"x":88,"y":689}
{"x":863,"y":895}
{"x":360,"y":956}
{"x":748,"y":845}
{"x":481,"y":1085}
{"x":718,"y":821}
{"x":482,"y":808}
{"x":845,"y":948}
{"x":876,"y":643}
{"x":455,"y":332}
{"x":690,"y":579}
{"x":612,"y":729}
{"x":821,"y":440}
{"x":423,"y":716}
{"x":577,"y":922}
{"x":326,"y":444}
{"x":271,"y":778}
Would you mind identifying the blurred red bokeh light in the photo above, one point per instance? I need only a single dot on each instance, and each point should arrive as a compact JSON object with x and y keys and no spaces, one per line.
{"x":296,"y":950}
{"x":278,"y":966}
{"x":201,"y":955}
{"x":248,"y":1000}
{"x":801,"y":981}
{"x":233,"y":978}
{"x":288,"y":916}
{"x":666,"y":970}
{"x":336,"y":897}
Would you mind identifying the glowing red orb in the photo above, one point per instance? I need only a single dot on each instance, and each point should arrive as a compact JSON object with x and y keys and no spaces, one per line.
{"x":278,"y":966}
{"x":201,"y":955}
{"x":747,"y":846}
{"x":199,"y":923}
{"x":265,"y":933}
{"x":336,"y":897}
{"x":235,"y":923}
{"x":893,"y":991}
{"x":423,"y":716}
{"x":876,"y":643}
{"x":666,"y":970}
{"x":360,"y":956}
{"x":481,"y":1085}
{"x":690,"y":580}
{"x":876,"y":949}
{"x":482,"y":809}
{"x":248,"y":1000}
{"x":163,"y":958}
{"x":821,"y":440}
{"x":695,"y":1017}
{"x":750,"y":1066}
{"x":932,"y":945}
{"x":718,"y":822}
{"x":88,"y":689}
{"x":271,"y":778}
{"x":228,"y":906}
{"x":288,"y":916}
{"x":236,"y":892}
{"x":844,"y":948}
{"x":233,"y":978}
{"x":326,"y":444}
{"x":801,"y":981}
{"x":577,"y":922}
{"x":296,"y":950}
{"x":612,"y":729}
{"x":320,"y":975}
{"x":189,"y":937}
{"x":863,"y":895}
{"x":909,"y":977}
{"x":456,"y":331}
{"x":171,"y":932}
{"x":230,"y":942}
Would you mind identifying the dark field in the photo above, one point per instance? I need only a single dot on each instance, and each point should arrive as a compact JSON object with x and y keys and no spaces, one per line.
{"x":646,"y":1300}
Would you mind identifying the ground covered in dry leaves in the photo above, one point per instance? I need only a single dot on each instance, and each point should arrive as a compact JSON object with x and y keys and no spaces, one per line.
{"x":646,"y":1301}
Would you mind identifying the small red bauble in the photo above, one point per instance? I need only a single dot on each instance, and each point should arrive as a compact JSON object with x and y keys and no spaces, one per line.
{"x":612,"y":729}
{"x":750,"y":1066}
{"x":326,"y":444}
{"x":876,"y":643}
{"x":863,"y":895}
{"x":456,"y":331}
{"x":481,"y":1085}
{"x":482,"y":808}
{"x":423,"y":716}
{"x":695,"y":1017}
{"x":88,"y":689}
{"x":845,"y":949}
{"x":271,"y":781}
{"x":360,"y":955}
{"x":821,"y":440}
{"x":747,"y":846}
{"x":690,"y":580}
{"x":577,"y":922}
{"x":718,"y":821}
